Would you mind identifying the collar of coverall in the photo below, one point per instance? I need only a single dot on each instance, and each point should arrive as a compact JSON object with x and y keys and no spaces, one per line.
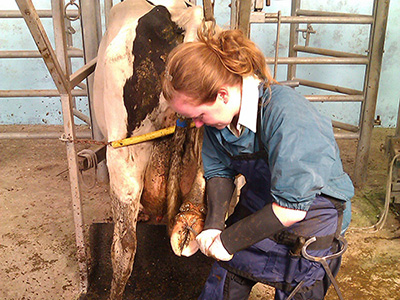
{"x":249,"y":104}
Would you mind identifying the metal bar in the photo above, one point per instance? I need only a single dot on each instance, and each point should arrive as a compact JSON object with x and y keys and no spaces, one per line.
{"x":91,"y":36}
{"x":304,"y":12}
{"x":91,"y":27}
{"x":40,"y":135}
{"x":261,"y":17}
{"x":42,"y":42}
{"x":73,"y":52}
{"x":346,"y":136}
{"x":328,"y":87}
{"x":208,"y":10}
{"x":42,"y":13}
{"x":376,"y":47}
{"x":37,"y":93}
{"x":107,"y":7}
{"x":334,"y":98}
{"x":290,"y":83}
{"x":329,"y":52}
{"x":81,"y":85}
{"x":62,"y":39}
{"x":397,"y":132}
{"x":69,"y":131}
{"x":345,"y":126}
{"x":69,"y":37}
{"x":319,"y":60}
{"x":293,"y":40}
{"x":234,"y":14}
{"x":99,"y":150}
{"x":81,"y":116}
{"x":244,"y":16}
{"x":83,"y":72}
{"x":278,"y":32}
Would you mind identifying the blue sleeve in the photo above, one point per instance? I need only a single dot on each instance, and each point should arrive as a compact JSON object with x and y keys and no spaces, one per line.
{"x":301,"y":148}
{"x":216,"y":161}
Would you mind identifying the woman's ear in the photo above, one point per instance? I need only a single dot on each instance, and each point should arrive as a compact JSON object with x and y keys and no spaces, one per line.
{"x":223,"y":94}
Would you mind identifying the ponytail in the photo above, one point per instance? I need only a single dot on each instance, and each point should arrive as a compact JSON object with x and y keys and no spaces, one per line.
{"x":199,"y":69}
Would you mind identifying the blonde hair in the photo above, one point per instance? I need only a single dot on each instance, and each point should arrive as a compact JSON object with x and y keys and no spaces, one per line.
{"x":199,"y":69}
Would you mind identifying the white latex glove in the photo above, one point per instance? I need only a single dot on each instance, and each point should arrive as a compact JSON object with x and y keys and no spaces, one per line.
{"x":218,"y":251}
{"x":190,"y":249}
{"x":206,"y":238}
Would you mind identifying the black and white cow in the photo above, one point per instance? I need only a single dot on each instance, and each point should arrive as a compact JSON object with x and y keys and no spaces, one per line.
{"x":127,"y":102}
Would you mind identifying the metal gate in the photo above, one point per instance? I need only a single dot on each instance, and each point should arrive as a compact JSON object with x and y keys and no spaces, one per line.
{"x":247,"y":12}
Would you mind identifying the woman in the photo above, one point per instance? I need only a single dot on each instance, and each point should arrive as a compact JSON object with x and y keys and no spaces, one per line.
{"x":295,"y":185}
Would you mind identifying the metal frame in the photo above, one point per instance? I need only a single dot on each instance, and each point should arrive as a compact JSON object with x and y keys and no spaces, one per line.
{"x":243,"y":15}
{"x":59,"y":69}
{"x":392,"y":147}
{"x":70,"y":52}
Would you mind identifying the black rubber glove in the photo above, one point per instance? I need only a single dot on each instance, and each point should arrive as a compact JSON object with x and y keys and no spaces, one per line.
{"x":219,"y":193}
{"x":250,"y":230}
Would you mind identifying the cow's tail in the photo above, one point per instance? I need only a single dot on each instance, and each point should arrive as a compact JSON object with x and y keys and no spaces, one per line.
{"x":173,"y":195}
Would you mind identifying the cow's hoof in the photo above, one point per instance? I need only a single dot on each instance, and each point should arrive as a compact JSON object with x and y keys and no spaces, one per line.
{"x":188,"y":224}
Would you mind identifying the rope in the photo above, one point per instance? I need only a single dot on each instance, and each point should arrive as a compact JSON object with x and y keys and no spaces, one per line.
{"x":91,"y":158}
{"x":379,"y":225}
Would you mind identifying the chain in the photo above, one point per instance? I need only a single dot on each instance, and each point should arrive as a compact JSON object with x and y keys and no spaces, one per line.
{"x":72,"y":3}
{"x":68,"y":138}
{"x":93,"y":142}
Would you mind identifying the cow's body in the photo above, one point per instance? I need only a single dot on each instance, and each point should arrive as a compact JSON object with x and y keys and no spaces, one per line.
{"x":126,"y":103}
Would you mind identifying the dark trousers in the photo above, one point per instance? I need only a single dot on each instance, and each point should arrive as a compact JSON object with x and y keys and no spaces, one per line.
{"x":274,"y":263}
{"x":239,"y":288}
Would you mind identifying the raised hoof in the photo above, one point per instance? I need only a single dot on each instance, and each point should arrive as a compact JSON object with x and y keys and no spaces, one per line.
{"x":183,"y":237}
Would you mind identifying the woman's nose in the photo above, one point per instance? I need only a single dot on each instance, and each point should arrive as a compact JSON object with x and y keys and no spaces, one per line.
{"x":198,"y":123}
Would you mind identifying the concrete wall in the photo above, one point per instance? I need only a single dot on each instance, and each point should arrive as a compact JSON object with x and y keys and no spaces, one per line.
{"x":32,"y":74}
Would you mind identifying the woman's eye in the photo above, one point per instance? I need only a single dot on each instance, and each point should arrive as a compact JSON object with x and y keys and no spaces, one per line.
{"x":200,"y":117}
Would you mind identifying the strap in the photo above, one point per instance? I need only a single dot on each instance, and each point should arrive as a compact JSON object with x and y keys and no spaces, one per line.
{"x":250,"y":230}
{"x":340,"y":206}
{"x":219,"y":193}
{"x":285,"y":286}
{"x":296,"y":242}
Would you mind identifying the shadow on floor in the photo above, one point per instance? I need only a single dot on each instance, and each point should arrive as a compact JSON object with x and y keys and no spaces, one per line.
{"x":158,"y":274}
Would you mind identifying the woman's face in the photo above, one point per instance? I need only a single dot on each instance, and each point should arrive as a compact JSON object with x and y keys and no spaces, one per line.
{"x":218,"y":114}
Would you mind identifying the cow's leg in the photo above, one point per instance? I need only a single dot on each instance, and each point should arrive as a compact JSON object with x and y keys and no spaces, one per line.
{"x":189,"y":220}
{"x":126,"y":167}
{"x":124,"y":244}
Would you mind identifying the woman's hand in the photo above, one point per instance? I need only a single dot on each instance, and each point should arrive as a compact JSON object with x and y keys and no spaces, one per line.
{"x":206,"y":238}
{"x":210,"y":244}
{"x":218,"y":251}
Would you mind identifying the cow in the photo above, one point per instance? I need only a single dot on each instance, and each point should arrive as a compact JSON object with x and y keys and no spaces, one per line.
{"x":127,"y":102}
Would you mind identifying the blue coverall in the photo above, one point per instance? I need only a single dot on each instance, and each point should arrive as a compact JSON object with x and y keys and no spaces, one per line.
{"x":292,"y":159}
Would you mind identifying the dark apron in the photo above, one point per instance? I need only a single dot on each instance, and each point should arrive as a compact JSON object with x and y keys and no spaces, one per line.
{"x":276,"y":261}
